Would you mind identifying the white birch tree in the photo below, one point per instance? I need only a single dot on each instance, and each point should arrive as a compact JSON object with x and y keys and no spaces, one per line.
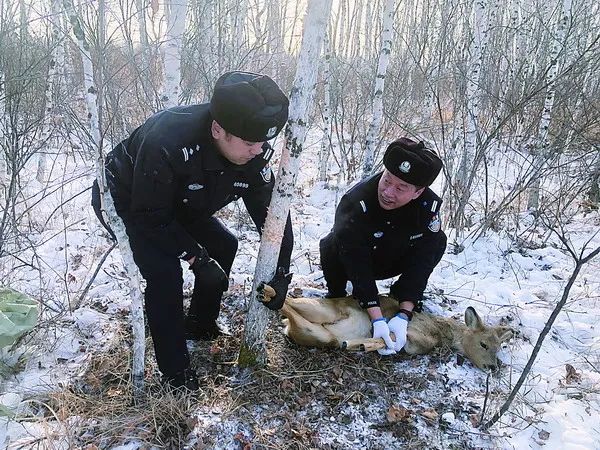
{"x":175,"y":11}
{"x":326,"y":146}
{"x":3,"y":163}
{"x":93,"y":105}
{"x":53,"y":85}
{"x":467,"y":169}
{"x":384,"y":58}
{"x":253,"y":349}
{"x":540,"y":152}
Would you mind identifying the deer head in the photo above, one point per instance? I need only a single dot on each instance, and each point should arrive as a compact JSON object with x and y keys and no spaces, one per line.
{"x":481,"y":343}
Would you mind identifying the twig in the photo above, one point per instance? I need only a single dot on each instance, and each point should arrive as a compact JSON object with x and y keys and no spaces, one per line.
{"x":89,"y":284}
{"x":579,"y":263}
{"x":487,"y":394}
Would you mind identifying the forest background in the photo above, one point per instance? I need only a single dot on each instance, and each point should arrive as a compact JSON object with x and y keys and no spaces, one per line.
{"x":507,"y":92}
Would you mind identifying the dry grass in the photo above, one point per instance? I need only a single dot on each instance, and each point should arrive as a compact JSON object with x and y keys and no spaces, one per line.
{"x":293,"y":403}
{"x":102,"y":402}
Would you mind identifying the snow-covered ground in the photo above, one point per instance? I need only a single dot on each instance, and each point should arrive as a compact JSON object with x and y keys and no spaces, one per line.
{"x":514,"y":281}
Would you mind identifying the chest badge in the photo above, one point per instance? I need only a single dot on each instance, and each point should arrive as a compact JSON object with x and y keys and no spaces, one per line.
{"x":195,"y":187}
{"x":404,"y":167}
{"x":378,"y":234}
{"x":435,"y":224}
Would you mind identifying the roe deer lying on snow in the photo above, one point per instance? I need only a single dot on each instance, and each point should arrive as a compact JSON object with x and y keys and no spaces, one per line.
{"x":341,"y":323}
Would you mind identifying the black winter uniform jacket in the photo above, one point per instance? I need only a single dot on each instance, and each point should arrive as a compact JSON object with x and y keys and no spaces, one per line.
{"x":168,"y":173}
{"x":373,"y":241}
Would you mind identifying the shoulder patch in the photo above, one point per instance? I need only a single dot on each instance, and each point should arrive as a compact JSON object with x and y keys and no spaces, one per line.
{"x":265,"y":174}
{"x":268,"y":153}
{"x":435,"y":224}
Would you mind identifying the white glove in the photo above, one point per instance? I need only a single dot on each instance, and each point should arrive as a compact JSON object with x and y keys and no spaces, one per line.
{"x":381,"y":330}
{"x":398,"y":325}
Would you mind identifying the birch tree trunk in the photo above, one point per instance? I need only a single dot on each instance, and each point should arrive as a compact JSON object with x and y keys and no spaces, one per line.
{"x":57,"y":61}
{"x":176,"y":11}
{"x":145,"y":53}
{"x":93,"y":101}
{"x":473,"y":96}
{"x":3,"y":136}
{"x":540,"y":152}
{"x":326,"y":146}
{"x":253,"y":349}
{"x":384,"y":58}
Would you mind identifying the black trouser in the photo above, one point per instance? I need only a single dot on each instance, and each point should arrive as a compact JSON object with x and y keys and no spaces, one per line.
{"x":389,"y":264}
{"x":164,"y":285}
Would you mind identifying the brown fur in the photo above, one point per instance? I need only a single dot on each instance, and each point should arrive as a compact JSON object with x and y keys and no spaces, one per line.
{"x":331,"y":322}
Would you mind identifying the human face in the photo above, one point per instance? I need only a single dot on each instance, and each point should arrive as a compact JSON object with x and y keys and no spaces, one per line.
{"x":394,"y":193}
{"x":234,"y":149}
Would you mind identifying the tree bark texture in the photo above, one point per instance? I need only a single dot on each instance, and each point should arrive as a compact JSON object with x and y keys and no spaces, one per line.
{"x":317,"y":17}
{"x":384,"y":58}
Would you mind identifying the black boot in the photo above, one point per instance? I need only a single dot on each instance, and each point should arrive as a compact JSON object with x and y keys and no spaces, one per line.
{"x":184,"y":380}
{"x":195,"y":330}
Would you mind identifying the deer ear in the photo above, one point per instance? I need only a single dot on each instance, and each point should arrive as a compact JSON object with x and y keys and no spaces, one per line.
{"x":472,"y":319}
{"x":504,"y":334}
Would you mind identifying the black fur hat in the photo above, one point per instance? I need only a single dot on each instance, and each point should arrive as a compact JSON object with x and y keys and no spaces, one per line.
{"x":412,"y":162}
{"x":249,"y":105}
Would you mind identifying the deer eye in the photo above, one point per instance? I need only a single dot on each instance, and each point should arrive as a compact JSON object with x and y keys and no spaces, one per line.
{"x":484,"y":345}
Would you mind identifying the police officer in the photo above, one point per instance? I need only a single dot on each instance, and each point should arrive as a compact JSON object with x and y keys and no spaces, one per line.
{"x":387,"y":225}
{"x":167,"y":180}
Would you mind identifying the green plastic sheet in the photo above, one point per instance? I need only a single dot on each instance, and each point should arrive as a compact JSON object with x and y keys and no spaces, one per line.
{"x":18,"y":314}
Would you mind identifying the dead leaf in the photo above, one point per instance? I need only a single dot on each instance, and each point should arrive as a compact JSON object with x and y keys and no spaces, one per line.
{"x":430,"y":414}
{"x":544,"y":435}
{"x":572,"y":376}
{"x":397,"y":414}
{"x":245,"y":442}
{"x":474,"y":418}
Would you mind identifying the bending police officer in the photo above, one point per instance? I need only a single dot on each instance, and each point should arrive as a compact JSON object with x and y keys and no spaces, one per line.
{"x":167,"y":180}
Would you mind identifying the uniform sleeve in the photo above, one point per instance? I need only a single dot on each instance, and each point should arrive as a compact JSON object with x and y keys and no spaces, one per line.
{"x":153,"y":201}
{"x":423,"y":256}
{"x":351,"y":229}
{"x":257,"y":199}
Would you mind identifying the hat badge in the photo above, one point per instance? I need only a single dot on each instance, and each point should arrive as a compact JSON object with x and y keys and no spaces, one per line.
{"x":271,"y":132}
{"x":404,"y":167}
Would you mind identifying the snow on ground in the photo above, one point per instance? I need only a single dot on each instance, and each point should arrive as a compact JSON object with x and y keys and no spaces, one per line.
{"x":513,"y":281}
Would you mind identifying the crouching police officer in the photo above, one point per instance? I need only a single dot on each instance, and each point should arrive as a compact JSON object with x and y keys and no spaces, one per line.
{"x":169,"y":178}
{"x":387,"y":225}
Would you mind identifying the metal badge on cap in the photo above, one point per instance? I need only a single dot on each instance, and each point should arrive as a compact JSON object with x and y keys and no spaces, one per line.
{"x":272,"y":131}
{"x":404,"y":167}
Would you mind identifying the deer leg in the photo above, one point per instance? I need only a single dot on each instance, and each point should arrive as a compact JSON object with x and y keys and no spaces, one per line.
{"x":364,"y":345}
{"x":304,"y":332}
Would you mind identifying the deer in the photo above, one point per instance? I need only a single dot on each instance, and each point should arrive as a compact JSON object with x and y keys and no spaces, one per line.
{"x":342,"y":323}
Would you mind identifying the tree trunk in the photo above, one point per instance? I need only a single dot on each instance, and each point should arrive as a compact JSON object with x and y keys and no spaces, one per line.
{"x":467,"y":165}
{"x":317,"y":17}
{"x":175,"y":11}
{"x":540,"y":153}
{"x":53,"y":85}
{"x":3,"y":135}
{"x":92,"y":101}
{"x":326,"y":147}
{"x":384,"y":58}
